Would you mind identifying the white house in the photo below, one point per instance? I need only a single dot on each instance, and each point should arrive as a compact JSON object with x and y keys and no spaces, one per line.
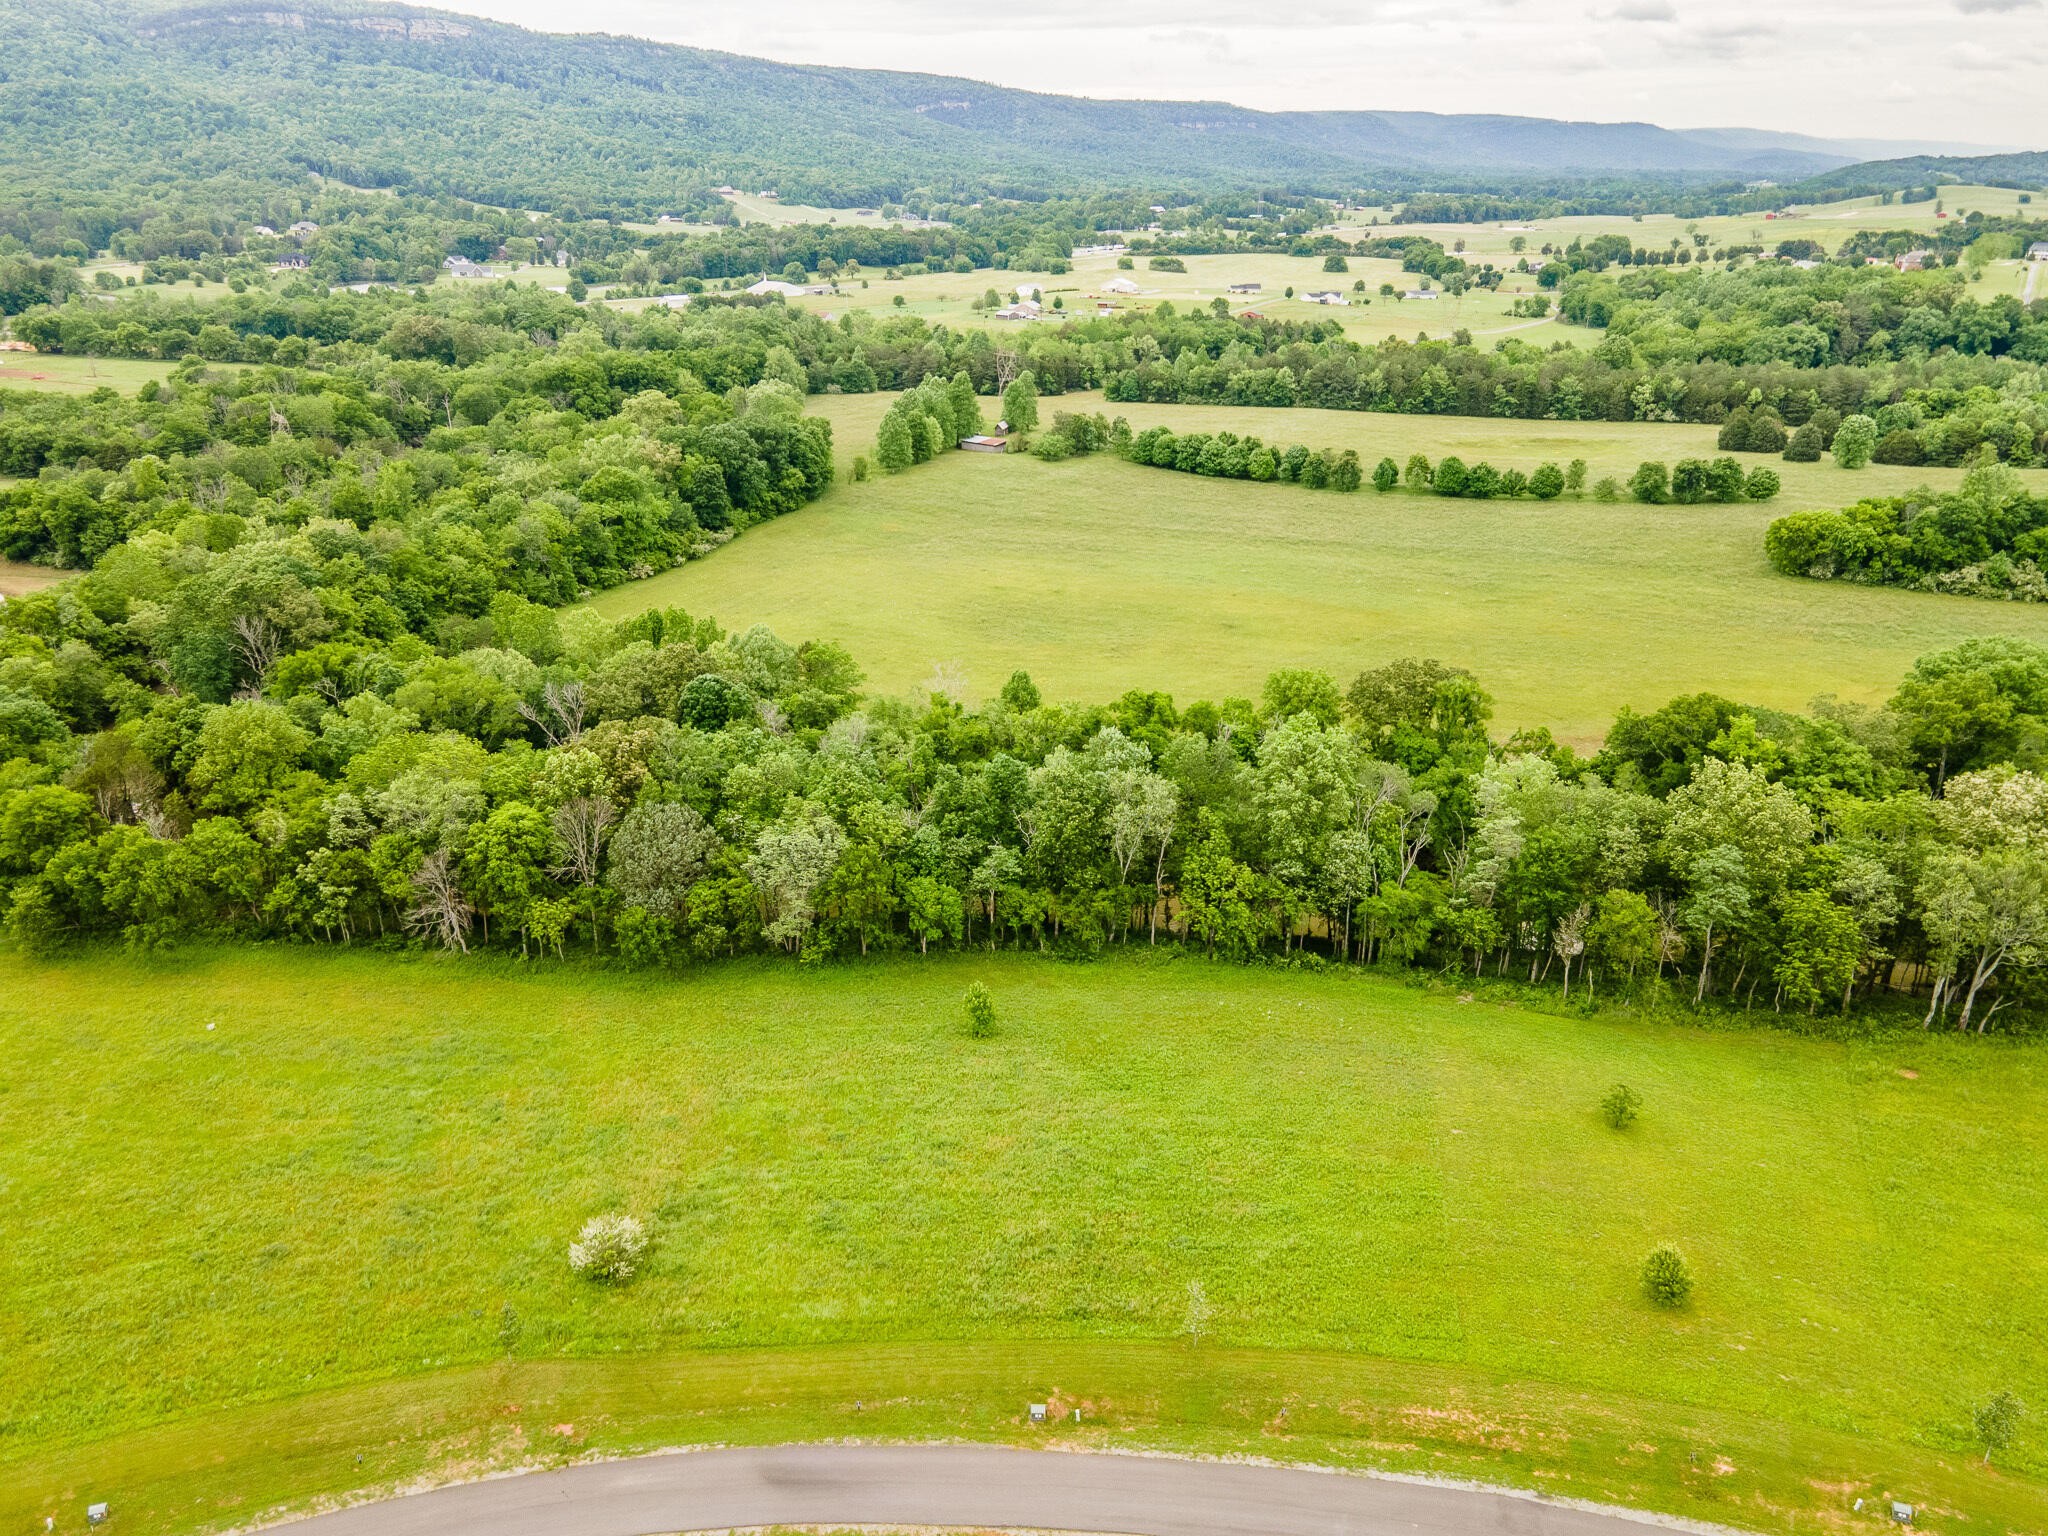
{"x":1422,"y":293}
{"x":1096,"y":250}
{"x":1023,"y":309}
{"x":769,"y":285}
{"x":2038,"y":251}
{"x":673,"y":301}
{"x":1119,"y":285}
{"x":1328,"y":296}
{"x":263,"y":229}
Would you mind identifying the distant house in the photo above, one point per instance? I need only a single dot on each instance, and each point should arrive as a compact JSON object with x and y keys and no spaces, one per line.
{"x":264,"y":229}
{"x":769,"y":194}
{"x":672,"y":301}
{"x":2038,"y":251}
{"x":1100,"y":250}
{"x":1913,"y":261}
{"x":1119,"y":285}
{"x":982,"y":444}
{"x":769,"y":285}
{"x":1422,"y":293}
{"x":1247,"y":288}
{"x":726,"y":191}
{"x":1023,"y":309}
{"x":304,"y":227}
{"x":1537,"y":263}
{"x":1327,"y":296}
{"x":1107,"y":306}
{"x":462,"y":266}
{"x":291,"y":261}
{"x":1251,"y":314}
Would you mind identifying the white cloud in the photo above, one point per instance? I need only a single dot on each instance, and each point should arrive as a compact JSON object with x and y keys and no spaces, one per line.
{"x":1644,"y":10}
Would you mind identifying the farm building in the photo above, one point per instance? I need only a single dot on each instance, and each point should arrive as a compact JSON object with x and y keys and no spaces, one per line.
{"x":1023,"y":309}
{"x":293,"y":261}
{"x":2038,"y":251}
{"x":1100,"y":250}
{"x":263,"y":229}
{"x":1914,"y":261}
{"x":1422,"y":293}
{"x":673,"y":301}
{"x":462,"y":266}
{"x":769,"y":285}
{"x":1119,"y":285}
{"x":1247,"y":287}
{"x":1327,"y":296}
{"x":982,"y":444}
{"x":304,"y":227}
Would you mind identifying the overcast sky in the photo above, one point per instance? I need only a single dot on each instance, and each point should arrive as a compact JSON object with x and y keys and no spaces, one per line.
{"x":1964,"y":70}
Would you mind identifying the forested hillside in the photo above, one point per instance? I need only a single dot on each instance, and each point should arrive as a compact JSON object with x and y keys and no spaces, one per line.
{"x":226,"y":96}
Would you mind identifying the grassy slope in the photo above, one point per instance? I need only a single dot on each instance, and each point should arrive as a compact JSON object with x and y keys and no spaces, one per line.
{"x":365,"y":1162}
{"x":1098,"y":576}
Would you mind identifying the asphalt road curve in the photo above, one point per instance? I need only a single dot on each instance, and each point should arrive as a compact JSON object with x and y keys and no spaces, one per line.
{"x":945,"y":1485}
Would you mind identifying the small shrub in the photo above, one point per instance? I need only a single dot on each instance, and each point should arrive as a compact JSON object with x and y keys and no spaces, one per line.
{"x":860,"y":466}
{"x":1621,"y":1106}
{"x":981,"y":1012}
{"x":1607,"y":488}
{"x":609,"y":1248}
{"x":1666,"y":1279}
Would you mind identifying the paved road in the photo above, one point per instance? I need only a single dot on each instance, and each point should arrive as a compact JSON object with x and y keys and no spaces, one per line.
{"x":954,"y":1486}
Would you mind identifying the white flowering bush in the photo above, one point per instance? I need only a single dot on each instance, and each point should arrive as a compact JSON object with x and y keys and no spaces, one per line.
{"x":609,"y":1248}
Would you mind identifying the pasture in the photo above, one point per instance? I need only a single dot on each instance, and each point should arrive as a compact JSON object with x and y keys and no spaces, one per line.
{"x":287,"y":1222}
{"x":17,"y":578}
{"x":1097,"y":576}
{"x":78,"y":375}
{"x":1828,"y":223}
{"x":948,"y":297}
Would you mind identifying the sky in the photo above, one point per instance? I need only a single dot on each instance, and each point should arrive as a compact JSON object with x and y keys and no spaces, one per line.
{"x":1970,"y":71}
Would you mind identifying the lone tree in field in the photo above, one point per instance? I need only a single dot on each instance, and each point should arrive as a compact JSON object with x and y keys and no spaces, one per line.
{"x":1998,"y":1419}
{"x":981,"y":1012}
{"x":1620,"y":1107}
{"x":609,"y":1248}
{"x":1020,"y":403}
{"x":1666,"y":1279}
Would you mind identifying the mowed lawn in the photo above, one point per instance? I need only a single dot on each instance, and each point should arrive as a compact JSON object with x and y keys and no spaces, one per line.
{"x":1097,"y":576}
{"x":248,"y":1176}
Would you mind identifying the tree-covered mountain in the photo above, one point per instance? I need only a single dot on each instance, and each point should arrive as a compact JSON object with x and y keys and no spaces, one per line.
{"x":2027,"y":169}
{"x":124,"y":94}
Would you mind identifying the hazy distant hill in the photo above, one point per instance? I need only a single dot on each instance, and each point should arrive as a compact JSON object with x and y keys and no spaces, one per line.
{"x":2028,"y":170}
{"x":100,"y":93}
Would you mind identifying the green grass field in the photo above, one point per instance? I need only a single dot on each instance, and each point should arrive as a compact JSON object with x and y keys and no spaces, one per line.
{"x":269,"y":1210}
{"x":1097,"y":576}
{"x":78,"y":375}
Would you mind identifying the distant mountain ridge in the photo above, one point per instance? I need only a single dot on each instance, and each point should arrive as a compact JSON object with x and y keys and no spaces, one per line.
{"x":2026,"y":169}
{"x":112,"y":91}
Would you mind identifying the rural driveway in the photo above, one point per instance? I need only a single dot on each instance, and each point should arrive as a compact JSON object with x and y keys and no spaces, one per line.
{"x":946,"y":1485}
